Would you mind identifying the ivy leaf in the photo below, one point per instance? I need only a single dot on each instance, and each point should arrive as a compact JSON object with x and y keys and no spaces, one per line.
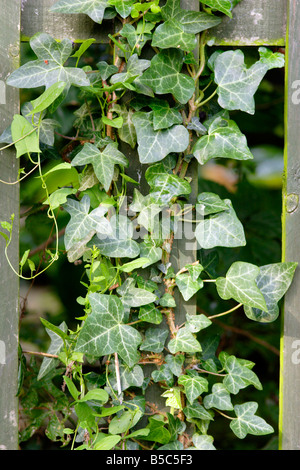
{"x":184,"y":341}
{"x":25,"y":136}
{"x":82,"y":222}
{"x":153,"y":145}
{"x":103,"y":162}
{"x":49,"y":67}
{"x":197,"y":411}
{"x":219,"y":398}
{"x":118,"y":243}
{"x":127,"y":132}
{"x":273,"y":281}
{"x":104,"y":332}
{"x":150,"y":251}
{"x":129,"y":377}
{"x":247,"y":422}
{"x":239,"y":375}
{"x":196,"y":323}
{"x":210,"y":203}
{"x":237,"y":84}
{"x":194,"y":386}
{"x":239,"y":284}
{"x":224,"y":6}
{"x":222,"y":229}
{"x":154,"y":340}
{"x":56,"y":346}
{"x":135,"y":297}
{"x":203,"y":442}
{"x":137,"y":37}
{"x":163,"y":115}
{"x":123,"y":7}
{"x":173,"y":396}
{"x":150,"y":314}
{"x":134,"y":69}
{"x":165,"y":186}
{"x":106,"y":70}
{"x":187,"y":286}
{"x":163,"y":374}
{"x":222,"y":142}
{"x":172,"y":34}
{"x":164,"y":76}
{"x":93,"y":8}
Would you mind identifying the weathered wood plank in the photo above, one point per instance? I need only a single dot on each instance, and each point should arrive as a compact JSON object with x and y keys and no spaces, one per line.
{"x":254,"y":22}
{"x":9,"y":197}
{"x":290,"y":343}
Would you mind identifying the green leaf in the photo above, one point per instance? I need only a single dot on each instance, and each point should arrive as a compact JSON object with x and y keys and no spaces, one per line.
{"x":239,"y":375}
{"x":46,"y":126}
{"x":195,"y":323}
{"x":97,"y":394}
{"x":237,"y":84}
{"x":129,"y":377}
{"x":71,"y":387}
{"x":163,"y":374}
{"x":210,"y":203}
{"x":107,"y":442}
{"x":194,"y":386}
{"x":136,"y":297}
{"x":203,"y":442}
{"x":150,"y":314}
{"x":184,"y":341}
{"x":247,"y":422}
{"x":219,"y":398}
{"x":119,"y":243}
{"x":123,"y":7}
{"x":121,"y":424}
{"x":197,"y":411}
{"x":164,"y":76}
{"x":26,"y":135}
{"x":47,"y":98}
{"x":106,"y":70}
{"x":59,"y":197}
{"x":83,"y":47}
{"x":224,"y":6}
{"x":224,"y":141}
{"x":171,"y":34}
{"x":56,"y":346}
{"x":116,"y":123}
{"x":158,"y":433}
{"x":167,"y":300}
{"x":93,"y":8}
{"x":103,"y":162}
{"x":154,"y":340}
{"x":137,"y":37}
{"x":273,"y":281}
{"x":173,"y":396}
{"x":151,"y":252}
{"x":187,"y":286}
{"x":134,"y":68}
{"x":240,"y":284}
{"x":127,"y":132}
{"x":153,"y":145}
{"x":222,"y":229}
{"x":165,"y":186}
{"x":49,"y":67}
{"x":132,"y":265}
{"x":105,"y":333}
{"x":82,"y":222}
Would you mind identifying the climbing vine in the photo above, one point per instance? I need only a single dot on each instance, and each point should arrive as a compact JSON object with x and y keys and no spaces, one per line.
{"x":168,"y":96}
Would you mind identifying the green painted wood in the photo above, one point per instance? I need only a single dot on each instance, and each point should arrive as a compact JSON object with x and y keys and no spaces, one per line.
{"x":254,"y":22}
{"x":290,"y":342}
{"x":9,"y":197}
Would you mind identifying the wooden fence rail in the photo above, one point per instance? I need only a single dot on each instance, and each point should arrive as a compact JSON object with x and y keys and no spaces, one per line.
{"x":255,"y":22}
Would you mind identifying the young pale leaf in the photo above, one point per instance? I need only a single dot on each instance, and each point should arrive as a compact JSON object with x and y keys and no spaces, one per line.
{"x":105,"y":333}
{"x":203,"y":442}
{"x":222,"y":142}
{"x":273,"y":281}
{"x":25,"y":136}
{"x":107,"y":442}
{"x":197,"y":323}
{"x":118,"y":243}
{"x":153,"y":145}
{"x":93,"y":8}
{"x":47,"y":98}
{"x":237,"y":84}
{"x":103,"y":162}
{"x":184,"y":341}
{"x":164,"y":76}
{"x":82,"y":222}
{"x":240,"y":284}
{"x":247,"y":422}
{"x":49,"y":67}
{"x":222,"y":229}
{"x":173,"y":396}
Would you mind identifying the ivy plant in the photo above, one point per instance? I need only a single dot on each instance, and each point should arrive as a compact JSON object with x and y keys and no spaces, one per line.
{"x":154,"y":96}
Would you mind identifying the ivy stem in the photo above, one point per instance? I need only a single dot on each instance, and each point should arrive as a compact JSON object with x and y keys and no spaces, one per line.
{"x":225,"y":313}
{"x":201,"y":103}
{"x":223,"y":414}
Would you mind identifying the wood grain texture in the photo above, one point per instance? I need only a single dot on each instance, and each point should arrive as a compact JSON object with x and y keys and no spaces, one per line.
{"x":290,"y":343}
{"x":9,"y":197}
{"x":254,"y":22}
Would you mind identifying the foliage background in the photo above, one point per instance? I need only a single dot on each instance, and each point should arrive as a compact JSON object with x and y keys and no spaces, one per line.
{"x":255,"y":190}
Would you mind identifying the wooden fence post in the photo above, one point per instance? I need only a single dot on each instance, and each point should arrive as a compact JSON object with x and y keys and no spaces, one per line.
{"x":290,"y":341}
{"x":10,"y":22}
